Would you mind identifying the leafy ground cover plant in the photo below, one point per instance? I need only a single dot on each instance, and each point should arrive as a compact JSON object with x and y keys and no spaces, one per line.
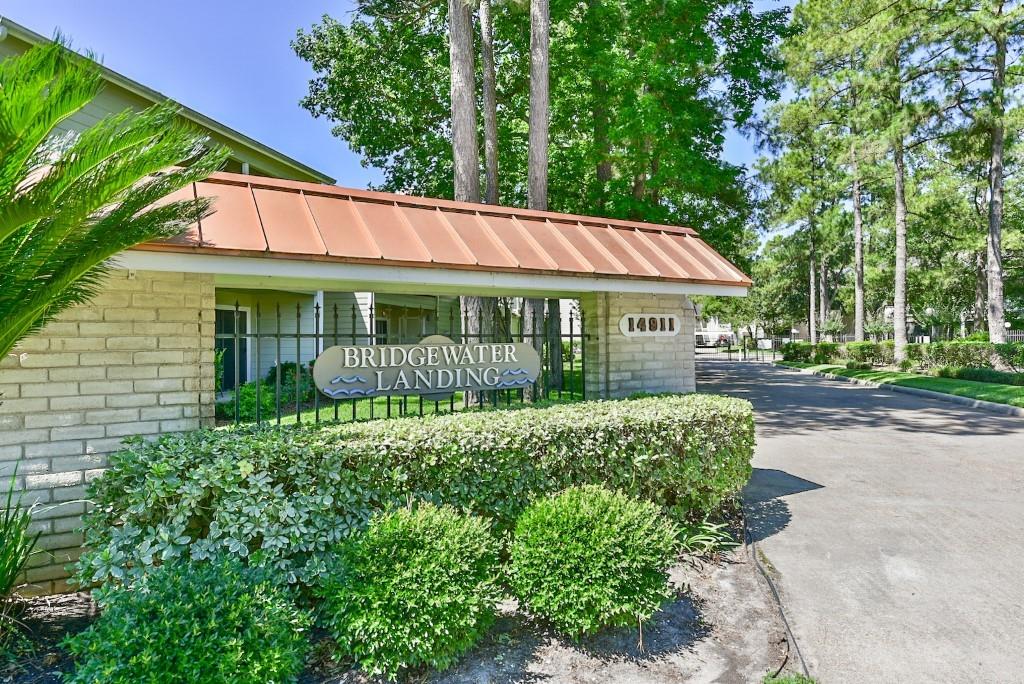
{"x":589,"y":558}
{"x":417,"y":588}
{"x":282,"y":498}
{"x":213,"y":622}
{"x":705,"y":538}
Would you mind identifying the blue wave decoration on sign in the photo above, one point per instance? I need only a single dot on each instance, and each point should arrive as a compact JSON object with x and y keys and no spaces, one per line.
{"x":341,"y":392}
{"x":513,"y":383}
{"x":347,"y":381}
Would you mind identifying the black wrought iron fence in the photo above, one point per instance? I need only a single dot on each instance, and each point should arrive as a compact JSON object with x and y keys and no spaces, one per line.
{"x":281,"y":389}
{"x":727,"y":347}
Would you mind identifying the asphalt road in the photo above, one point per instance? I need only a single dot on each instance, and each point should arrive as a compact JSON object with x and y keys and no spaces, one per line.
{"x":896,"y":524}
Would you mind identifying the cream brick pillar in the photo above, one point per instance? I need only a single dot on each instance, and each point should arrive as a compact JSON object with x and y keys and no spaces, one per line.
{"x":136,"y":360}
{"x":617,"y":365}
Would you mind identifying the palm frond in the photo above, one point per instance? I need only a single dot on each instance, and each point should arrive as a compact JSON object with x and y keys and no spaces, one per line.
{"x":67,"y":205}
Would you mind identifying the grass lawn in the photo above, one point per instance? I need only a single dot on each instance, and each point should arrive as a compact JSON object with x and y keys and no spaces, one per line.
{"x":1012,"y":395}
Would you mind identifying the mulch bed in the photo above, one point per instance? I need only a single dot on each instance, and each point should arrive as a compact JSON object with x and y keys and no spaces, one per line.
{"x":722,"y":626}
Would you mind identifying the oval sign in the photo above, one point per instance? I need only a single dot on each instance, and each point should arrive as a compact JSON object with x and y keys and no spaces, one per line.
{"x":650,"y":325}
{"x":435,"y":366}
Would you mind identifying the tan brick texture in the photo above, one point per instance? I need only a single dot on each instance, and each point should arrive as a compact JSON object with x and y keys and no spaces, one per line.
{"x":618,"y":366}
{"x":136,"y":360}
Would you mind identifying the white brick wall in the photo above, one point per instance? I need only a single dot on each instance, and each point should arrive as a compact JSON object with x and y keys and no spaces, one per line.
{"x":618,"y":366}
{"x":137,"y":360}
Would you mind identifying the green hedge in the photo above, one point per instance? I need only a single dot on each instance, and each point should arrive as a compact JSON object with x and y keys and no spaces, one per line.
{"x":283,"y":497}
{"x":823,"y":352}
{"x":216,"y":623}
{"x":417,"y":588}
{"x":589,"y":558}
{"x":981,"y":375}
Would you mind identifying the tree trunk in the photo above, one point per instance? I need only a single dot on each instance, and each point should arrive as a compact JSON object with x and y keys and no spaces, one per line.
{"x":823,"y":302}
{"x":537,"y":186}
{"x":858,"y":253}
{"x":899,"y":302}
{"x":812,"y":318}
{"x":996,"y":331}
{"x":465,"y":151}
{"x":490,"y":103}
{"x":540,"y":30}
{"x":602,"y":142}
{"x":980,"y":286}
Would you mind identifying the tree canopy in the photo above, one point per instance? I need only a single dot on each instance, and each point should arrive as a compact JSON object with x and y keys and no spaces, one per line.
{"x":641,"y":95}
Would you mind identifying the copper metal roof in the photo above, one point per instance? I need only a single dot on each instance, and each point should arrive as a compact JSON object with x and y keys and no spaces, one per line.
{"x":264,"y":217}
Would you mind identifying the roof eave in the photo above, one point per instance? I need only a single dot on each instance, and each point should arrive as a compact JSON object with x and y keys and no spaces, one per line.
{"x":29,"y":36}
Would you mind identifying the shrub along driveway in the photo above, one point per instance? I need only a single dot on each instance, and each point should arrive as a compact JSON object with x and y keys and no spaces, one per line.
{"x":894,"y":522}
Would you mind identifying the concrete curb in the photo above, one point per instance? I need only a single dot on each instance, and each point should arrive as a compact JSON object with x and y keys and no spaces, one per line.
{"x":989,"y":406}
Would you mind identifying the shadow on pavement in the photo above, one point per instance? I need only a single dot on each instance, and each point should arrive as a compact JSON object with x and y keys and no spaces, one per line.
{"x":766,"y":512}
{"x":787,"y":402}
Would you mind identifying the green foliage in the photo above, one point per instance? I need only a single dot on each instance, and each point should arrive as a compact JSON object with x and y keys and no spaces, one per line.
{"x":905,"y":365}
{"x":246,"y":398}
{"x":16,"y":545}
{"x":641,"y":96}
{"x":858,"y":365}
{"x":705,"y":538}
{"x":981,"y":375}
{"x":418,"y":587}
{"x":288,"y":382}
{"x":281,"y":498}
{"x":212,"y":622}
{"x":589,"y":558}
{"x":267,"y":386}
{"x":788,"y":679}
{"x":823,"y":352}
{"x":16,"y":542}
{"x":1011,"y":355}
{"x":960,"y":353}
{"x":797,"y":351}
{"x":833,"y":324}
{"x":218,"y":369}
{"x":68,"y":203}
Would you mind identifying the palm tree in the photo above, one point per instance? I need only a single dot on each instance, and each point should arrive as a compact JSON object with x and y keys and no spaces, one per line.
{"x":68,"y":203}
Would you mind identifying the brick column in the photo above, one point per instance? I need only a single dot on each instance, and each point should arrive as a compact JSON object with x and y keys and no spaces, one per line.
{"x":617,"y":365}
{"x":136,"y":360}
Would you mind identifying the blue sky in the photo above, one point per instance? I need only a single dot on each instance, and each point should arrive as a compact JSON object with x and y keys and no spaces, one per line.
{"x":229,"y":60}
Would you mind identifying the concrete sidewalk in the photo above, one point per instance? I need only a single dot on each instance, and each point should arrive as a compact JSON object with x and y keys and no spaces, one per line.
{"x":895,"y":522}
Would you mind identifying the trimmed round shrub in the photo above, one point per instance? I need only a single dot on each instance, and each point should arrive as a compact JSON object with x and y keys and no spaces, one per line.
{"x":588,"y":558}
{"x":283,"y":498}
{"x":417,"y":588}
{"x":214,"y":622}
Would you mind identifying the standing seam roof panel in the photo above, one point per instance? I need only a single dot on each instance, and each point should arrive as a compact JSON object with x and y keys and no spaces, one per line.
{"x":480,"y":239}
{"x":287,"y":223}
{"x":441,"y":241}
{"x":547,"y":237}
{"x":191,"y":237}
{"x":518,"y":242}
{"x":672,"y":245}
{"x":342,"y":228}
{"x":268,"y":217}
{"x":234,"y":223}
{"x":396,"y":239}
